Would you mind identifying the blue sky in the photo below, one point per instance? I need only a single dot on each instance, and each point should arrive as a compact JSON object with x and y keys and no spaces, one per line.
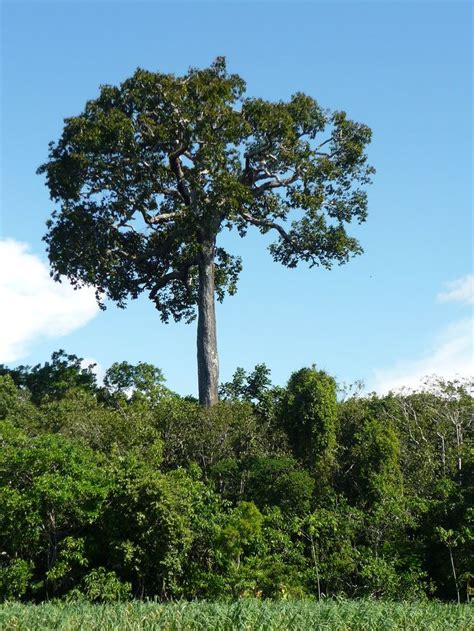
{"x":400,"y":310}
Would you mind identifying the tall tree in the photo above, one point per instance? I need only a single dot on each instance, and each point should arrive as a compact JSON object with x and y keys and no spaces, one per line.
{"x":309,"y":416}
{"x":151,"y":171}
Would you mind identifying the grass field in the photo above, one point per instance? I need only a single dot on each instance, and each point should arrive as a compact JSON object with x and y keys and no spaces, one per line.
{"x":244,"y":614}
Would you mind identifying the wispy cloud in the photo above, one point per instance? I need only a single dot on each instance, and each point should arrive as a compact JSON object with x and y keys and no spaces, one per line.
{"x":459,"y":290}
{"x":33,"y":305}
{"x":451,"y":355}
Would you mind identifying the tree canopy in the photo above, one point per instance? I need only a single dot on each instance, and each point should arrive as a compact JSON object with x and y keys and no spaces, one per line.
{"x":130,"y":491}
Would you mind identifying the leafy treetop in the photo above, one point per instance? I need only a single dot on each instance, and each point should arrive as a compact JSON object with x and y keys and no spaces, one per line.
{"x":155,"y":168}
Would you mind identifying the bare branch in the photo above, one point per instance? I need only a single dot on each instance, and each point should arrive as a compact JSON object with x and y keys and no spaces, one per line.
{"x":270,"y":225}
{"x":276,"y":182}
{"x":327,"y":155}
{"x":177,"y":168}
{"x":171,"y":192}
{"x":152,"y":221}
{"x":324,"y":143}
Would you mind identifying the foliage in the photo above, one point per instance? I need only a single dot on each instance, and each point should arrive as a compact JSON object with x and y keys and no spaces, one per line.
{"x":153,"y":170}
{"x":51,"y":489}
{"x":266,"y":481}
{"x":15,"y":576}
{"x":299,"y":615}
{"x":207,"y":436}
{"x":54,"y":379}
{"x":129,"y":491}
{"x":309,"y":415}
{"x":247,"y":387}
{"x":121,"y":424}
{"x":16,"y":406}
{"x":152,"y":165}
{"x":150,"y":524}
{"x":103,"y":586}
{"x":128,"y":380}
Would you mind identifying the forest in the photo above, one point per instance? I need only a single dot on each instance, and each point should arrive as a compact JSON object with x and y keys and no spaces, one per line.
{"x":122,"y":489}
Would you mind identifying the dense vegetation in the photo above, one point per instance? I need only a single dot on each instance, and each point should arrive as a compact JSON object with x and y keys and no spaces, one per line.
{"x":127,"y":490}
{"x":248,"y":614}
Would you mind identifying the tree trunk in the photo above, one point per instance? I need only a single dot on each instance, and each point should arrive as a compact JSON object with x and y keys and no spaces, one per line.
{"x":315,"y":561}
{"x":207,"y":358}
{"x":451,"y":558}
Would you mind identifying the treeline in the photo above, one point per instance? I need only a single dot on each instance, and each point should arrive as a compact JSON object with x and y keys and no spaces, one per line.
{"x":127,"y":490}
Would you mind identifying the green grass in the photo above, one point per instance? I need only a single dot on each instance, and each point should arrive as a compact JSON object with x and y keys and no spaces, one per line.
{"x":243,"y":614}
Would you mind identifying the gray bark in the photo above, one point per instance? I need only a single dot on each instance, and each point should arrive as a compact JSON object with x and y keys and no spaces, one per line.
{"x":207,"y":358}
{"x":454,"y":573}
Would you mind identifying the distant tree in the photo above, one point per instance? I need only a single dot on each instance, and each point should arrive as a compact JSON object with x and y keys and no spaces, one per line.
{"x":256,"y":388}
{"x":141,"y":379}
{"x":376,"y":460}
{"x":51,"y":489}
{"x":247,"y":387}
{"x":53,"y":379}
{"x":120,"y":425}
{"x":153,"y":170}
{"x":150,"y":525}
{"x":15,"y":405}
{"x":331,"y":535}
{"x":242,"y":529}
{"x":309,"y":416}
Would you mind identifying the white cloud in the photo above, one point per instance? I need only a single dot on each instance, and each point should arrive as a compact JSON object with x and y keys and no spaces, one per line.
{"x":459,"y":290}
{"x":451,"y":355}
{"x":96,"y":368}
{"x":33,"y":305}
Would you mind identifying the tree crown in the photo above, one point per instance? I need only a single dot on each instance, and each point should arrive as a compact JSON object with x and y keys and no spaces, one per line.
{"x":155,"y":168}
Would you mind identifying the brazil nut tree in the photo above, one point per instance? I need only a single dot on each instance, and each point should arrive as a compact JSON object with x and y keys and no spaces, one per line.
{"x":150,"y":173}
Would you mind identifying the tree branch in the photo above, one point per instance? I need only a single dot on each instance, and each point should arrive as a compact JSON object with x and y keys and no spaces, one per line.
{"x":270,"y":225}
{"x":181,"y":274}
{"x":159,"y":283}
{"x":276,"y":182}
{"x":156,"y":219}
{"x":261,"y":172}
{"x":177,"y":168}
{"x":324,"y":143}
